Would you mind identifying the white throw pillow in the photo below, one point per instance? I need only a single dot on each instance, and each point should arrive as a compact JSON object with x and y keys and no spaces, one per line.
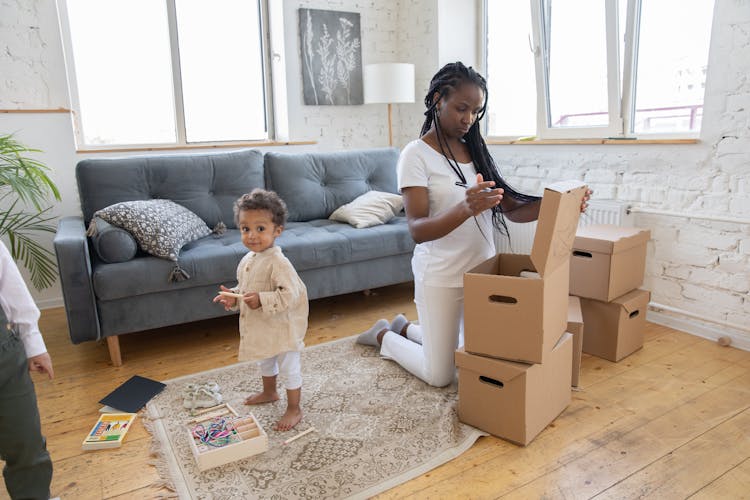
{"x":369,"y":209}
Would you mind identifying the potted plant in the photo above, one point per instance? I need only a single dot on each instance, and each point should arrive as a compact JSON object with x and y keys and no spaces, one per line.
{"x":25,"y":188}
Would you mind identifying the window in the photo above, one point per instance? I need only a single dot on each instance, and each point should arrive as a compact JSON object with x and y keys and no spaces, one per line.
{"x":602,"y":68}
{"x":175,"y":72}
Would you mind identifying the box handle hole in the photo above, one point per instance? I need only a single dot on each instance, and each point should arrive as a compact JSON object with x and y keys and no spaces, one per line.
{"x":634,"y":314}
{"x":492,"y":381}
{"x":578,"y":253}
{"x":503,"y":299}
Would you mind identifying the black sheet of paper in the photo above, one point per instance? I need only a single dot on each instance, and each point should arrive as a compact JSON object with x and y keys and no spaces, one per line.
{"x":132,"y":395}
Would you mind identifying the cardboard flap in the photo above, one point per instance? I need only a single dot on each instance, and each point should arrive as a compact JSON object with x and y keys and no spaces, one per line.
{"x":637,"y":300}
{"x":501,"y":370}
{"x":608,"y":238}
{"x":556,"y":228}
{"x":574,"y":310}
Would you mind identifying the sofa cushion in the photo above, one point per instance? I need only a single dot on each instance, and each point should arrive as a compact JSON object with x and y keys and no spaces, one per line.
{"x":161,"y":227}
{"x":209,"y":260}
{"x":207,"y":184}
{"x":314,"y":185}
{"x":214,"y":259}
{"x":112,"y":243}
{"x":323,"y":242}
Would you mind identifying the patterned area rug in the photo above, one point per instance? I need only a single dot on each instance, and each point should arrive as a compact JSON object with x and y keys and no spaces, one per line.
{"x":377,"y":426}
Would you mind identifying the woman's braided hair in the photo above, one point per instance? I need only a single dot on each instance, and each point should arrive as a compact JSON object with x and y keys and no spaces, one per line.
{"x":443,"y":83}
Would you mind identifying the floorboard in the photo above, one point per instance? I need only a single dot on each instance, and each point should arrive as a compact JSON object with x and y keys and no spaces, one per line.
{"x":670,"y":421}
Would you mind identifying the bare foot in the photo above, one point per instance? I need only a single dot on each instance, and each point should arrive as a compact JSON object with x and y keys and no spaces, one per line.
{"x":292,"y":417}
{"x":262,"y":397}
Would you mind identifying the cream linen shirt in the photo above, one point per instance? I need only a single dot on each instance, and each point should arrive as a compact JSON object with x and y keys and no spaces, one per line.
{"x":280,"y":323}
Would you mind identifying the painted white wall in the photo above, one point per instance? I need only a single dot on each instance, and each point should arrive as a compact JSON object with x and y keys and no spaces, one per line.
{"x":695,"y":265}
{"x":458,"y":23}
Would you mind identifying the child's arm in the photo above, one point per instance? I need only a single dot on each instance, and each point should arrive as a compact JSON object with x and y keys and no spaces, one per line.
{"x":287,"y":289}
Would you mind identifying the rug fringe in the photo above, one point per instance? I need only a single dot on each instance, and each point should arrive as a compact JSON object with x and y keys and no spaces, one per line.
{"x":159,"y":462}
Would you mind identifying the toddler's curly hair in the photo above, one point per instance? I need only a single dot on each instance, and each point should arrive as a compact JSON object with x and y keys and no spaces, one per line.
{"x":260,"y":199}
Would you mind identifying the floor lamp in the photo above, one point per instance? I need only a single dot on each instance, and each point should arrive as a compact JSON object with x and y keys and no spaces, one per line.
{"x":389,"y":83}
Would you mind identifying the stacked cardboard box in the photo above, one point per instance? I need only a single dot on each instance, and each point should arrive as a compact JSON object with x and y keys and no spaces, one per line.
{"x":575,"y":328}
{"x":606,"y":268}
{"x":514,"y":372}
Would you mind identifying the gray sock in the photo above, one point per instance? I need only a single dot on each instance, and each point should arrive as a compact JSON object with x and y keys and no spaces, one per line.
{"x":398,"y":323}
{"x":370,"y":337}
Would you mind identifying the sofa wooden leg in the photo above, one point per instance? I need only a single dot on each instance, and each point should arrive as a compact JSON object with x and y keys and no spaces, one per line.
{"x":113,"y":343}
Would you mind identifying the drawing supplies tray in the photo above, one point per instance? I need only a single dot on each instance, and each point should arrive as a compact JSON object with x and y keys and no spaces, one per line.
{"x":219,"y":436}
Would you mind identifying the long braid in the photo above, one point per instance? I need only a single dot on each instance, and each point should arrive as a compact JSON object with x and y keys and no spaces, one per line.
{"x":447,"y":79}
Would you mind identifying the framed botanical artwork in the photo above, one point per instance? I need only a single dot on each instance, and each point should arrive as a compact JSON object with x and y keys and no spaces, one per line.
{"x":331,"y":52}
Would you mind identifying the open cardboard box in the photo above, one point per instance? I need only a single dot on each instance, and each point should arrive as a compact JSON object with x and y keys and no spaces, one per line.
{"x":575,"y":328}
{"x":521,"y":318}
{"x":514,"y":401}
{"x":615,"y":329}
{"x":607,"y":261}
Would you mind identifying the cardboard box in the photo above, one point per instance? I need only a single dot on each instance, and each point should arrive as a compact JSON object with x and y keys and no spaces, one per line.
{"x":575,"y":328}
{"x":514,"y":401}
{"x":521,"y":318}
{"x":247,"y":439}
{"x":615,"y":329}
{"x":608,"y":261}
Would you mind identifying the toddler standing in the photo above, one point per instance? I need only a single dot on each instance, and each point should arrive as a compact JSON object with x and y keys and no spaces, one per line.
{"x":273,"y":305}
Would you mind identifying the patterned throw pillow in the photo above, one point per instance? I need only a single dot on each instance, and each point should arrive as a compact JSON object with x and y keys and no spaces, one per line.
{"x":161,"y":227}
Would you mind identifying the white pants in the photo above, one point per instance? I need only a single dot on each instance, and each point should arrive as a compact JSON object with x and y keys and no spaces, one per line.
{"x":288,"y":365}
{"x":441,"y":317}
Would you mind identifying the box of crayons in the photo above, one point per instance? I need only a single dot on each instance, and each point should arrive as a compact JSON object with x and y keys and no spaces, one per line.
{"x":109,"y":431}
{"x":220,"y":436}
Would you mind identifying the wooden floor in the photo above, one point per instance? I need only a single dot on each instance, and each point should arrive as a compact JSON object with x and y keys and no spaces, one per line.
{"x":670,"y":421}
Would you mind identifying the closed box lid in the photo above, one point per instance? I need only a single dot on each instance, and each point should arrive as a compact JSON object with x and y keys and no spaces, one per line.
{"x":556,"y":227}
{"x":502,"y":370}
{"x":608,"y":238}
{"x":633,"y":301}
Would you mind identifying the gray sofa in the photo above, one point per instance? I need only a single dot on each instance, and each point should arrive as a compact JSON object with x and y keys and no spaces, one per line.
{"x":105,"y":300}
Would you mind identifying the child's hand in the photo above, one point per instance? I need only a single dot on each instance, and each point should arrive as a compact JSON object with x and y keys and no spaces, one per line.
{"x":227,"y":302}
{"x":252,"y":299}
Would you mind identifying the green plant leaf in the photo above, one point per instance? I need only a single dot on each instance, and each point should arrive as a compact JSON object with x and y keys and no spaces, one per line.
{"x":25,"y":183}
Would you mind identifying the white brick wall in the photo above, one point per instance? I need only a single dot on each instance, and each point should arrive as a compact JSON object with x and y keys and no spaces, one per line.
{"x":393,"y":31}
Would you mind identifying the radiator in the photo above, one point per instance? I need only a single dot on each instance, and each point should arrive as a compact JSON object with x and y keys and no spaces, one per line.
{"x":598,"y":212}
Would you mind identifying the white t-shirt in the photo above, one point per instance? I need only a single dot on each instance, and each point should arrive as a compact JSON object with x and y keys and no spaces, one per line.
{"x":443,"y":262}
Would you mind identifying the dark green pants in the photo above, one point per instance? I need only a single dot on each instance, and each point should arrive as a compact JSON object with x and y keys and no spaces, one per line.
{"x":28,"y":467}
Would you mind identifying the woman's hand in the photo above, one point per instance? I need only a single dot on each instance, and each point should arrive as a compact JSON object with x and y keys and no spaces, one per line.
{"x":482,"y":197}
{"x":585,"y":201}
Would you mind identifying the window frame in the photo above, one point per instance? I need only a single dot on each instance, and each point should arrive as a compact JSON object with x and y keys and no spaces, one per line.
{"x":621,"y":99}
{"x":179,"y":110}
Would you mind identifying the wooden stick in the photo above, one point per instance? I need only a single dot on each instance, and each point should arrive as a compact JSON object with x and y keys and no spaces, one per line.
{"x":308,"y":431}
{"x":231,"y":294}
{"x":211,"y":408}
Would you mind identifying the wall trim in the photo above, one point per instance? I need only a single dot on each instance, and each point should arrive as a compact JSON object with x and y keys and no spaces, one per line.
{"x":698,"y":328}
{"x":50,"y":303}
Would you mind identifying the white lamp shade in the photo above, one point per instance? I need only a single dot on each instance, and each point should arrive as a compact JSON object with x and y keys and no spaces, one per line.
{"x":389,"y":83}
